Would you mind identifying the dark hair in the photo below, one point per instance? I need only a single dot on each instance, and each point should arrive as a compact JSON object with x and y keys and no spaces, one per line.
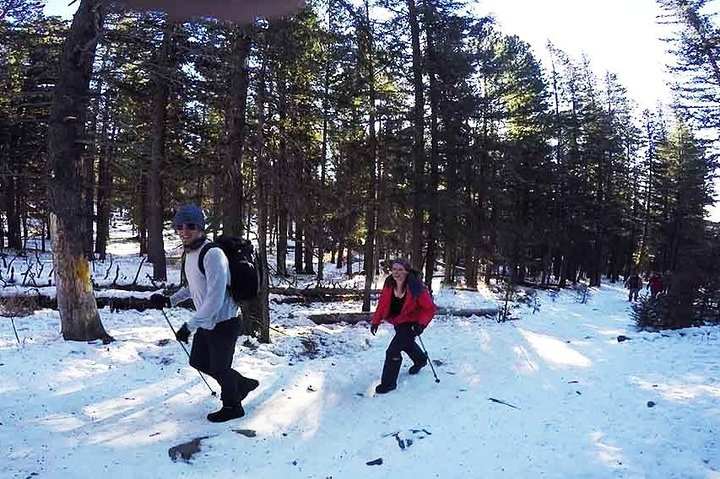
{"x":404,"y":263}
{"x":412,"y":282}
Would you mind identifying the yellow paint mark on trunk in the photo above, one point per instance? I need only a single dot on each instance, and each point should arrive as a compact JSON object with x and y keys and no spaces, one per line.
{"x":82,"y":273}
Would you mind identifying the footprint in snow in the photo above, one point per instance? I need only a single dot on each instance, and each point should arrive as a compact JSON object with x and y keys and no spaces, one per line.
{"x":407,"y":438}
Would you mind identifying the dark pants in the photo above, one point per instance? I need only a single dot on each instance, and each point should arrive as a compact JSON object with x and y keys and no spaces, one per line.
{"x":404,"y":340}
{"x":212,"y":353}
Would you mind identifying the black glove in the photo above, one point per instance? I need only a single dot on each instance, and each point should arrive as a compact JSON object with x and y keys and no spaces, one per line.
{"x":373,"y":328}
{"x":183,"y":334}
{"x":417,"y":328}
{"x":159,"y":301}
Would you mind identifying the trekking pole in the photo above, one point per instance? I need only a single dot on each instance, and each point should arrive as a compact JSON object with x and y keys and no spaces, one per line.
{"x":279,"y":331}
{"x":432,"y":368}
{"x":212,"y":393}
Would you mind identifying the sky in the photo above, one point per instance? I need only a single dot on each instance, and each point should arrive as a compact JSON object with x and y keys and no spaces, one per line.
{"x":619,"y":36}
{"x":554,"y":393}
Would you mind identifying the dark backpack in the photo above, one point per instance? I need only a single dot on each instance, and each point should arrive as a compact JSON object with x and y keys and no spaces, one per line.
{"x":243,"y":270}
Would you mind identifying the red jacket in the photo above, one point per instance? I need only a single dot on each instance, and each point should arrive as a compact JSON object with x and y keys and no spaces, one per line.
{"x":416,"y":309}
{"x":655,"y":284}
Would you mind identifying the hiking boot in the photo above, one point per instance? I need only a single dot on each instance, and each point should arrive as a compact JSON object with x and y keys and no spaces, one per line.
{"x":246,"y":385}
{"x":415,"y":368}
{"x":226,"y":413}
{"x":385,"y":388}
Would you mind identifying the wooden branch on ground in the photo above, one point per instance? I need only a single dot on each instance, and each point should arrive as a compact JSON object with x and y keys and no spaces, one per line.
{"x":107,"y":272}
{"x":138,"y":271}
{"x":117,"y":274}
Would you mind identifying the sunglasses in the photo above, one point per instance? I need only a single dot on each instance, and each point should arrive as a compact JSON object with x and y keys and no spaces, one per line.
{"x":187,"y":226}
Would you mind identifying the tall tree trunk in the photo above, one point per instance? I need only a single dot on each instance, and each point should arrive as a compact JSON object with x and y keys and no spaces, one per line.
{"x":340,"y":251}
{"x":104,"y":193}
{"x":155,"y":203}
{"x":471,"y":267}
{"x":647,"y":210}
{"x":324,"y":150}
{"x":349,"y":262}
{"x":308,"y":253}
{"x":4,"y":165}
{"x":9,"y":161}
{"x":89,"y":181}
{"x":76,"y":302}
{"x":256,"y":312}
{"x":434,"y":149}
{"x":282,"y":161}
{"x":14,"y":232}
{"x":141,"y":211}
{"x":298,"y":247}
{"x":372,"y":207}
{"x":282,"y":243}
{"x":237,"y":105}
{"x":2,"y":228}
{"x":418,"y":126}
{"x":89,"y":200}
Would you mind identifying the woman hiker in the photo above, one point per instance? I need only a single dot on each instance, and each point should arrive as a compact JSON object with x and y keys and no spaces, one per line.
{"x":405,"y":303}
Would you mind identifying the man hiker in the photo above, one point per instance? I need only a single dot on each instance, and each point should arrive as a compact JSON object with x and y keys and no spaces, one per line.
{"x":634,"y":284}
{"x":216,"y":321}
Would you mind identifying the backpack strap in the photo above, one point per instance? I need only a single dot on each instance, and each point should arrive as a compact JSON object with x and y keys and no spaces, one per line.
{"x":183,"y":277}
{"x":201,"y":256}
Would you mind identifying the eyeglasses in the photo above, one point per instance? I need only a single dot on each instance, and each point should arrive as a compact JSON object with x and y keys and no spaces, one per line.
{"x":187,"y":226}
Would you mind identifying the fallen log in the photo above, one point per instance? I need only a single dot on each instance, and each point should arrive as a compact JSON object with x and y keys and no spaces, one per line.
{"x":289,"y":300}
{"x":307,"y":294}
{"x":36,"y":302}
{"x":336,"y":318}
{"x":130,"y":287}
{"x":323,"y":294}
{"x":466,"y":313}
{"x":354,"y":318}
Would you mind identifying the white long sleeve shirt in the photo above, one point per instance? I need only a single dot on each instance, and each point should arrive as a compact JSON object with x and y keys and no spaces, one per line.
{"x":209,"y":291}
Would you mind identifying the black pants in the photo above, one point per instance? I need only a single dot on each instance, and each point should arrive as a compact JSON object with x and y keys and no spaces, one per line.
{"x":404,"y":340}
{"x":212,"y":353}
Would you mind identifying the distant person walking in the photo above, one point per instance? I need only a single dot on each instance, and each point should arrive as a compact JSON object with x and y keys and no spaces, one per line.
{"x":216,"y":320}
{"x":405,"y":303}
{"x":655,"y":285}
{"x":634,"y":284}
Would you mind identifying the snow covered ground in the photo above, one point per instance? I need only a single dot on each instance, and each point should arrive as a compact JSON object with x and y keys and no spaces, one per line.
{"x":551,"y":394}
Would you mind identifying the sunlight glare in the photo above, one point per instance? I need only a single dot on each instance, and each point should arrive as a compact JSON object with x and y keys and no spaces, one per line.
{"x":295,"y":407}
{"x":609,"y":455}
{"x":554,"y":350}
{"x":524,"y":364}
{"x":677,"y":391}
{"x":81,"y":368}
{"x":61,"y":422}
{"x":127,"y":401}
{"x":136,"y":430}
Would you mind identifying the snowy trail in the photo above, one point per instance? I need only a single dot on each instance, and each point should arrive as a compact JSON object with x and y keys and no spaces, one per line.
{"x":580,"y":401}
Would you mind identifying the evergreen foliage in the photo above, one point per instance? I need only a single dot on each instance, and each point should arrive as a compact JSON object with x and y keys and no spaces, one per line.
{"x":406,"y":127}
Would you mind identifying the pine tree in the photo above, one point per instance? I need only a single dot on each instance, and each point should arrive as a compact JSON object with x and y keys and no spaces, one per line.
{"x":697,"y":49}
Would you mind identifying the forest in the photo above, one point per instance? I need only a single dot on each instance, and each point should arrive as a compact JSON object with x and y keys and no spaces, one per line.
{"x":376,"y":129}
